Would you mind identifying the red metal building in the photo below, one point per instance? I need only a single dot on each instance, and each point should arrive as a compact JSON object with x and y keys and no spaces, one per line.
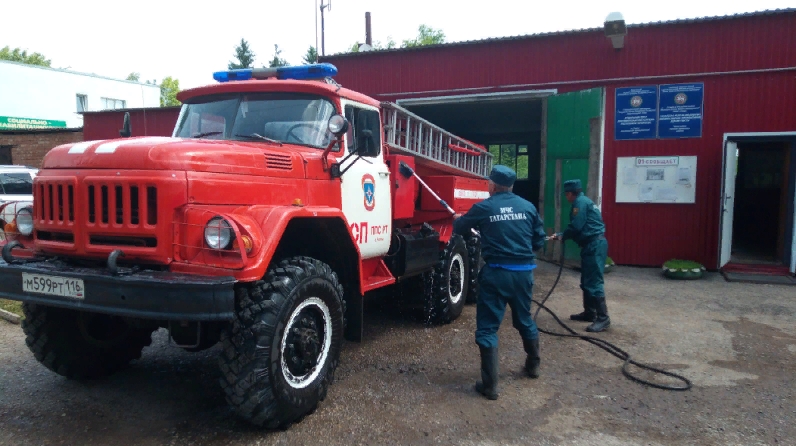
{"x":106,"y":124}
{"x":511,"y":93}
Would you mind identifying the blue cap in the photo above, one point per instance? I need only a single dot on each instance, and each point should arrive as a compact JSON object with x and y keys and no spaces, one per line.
{"x":503,"y":176}
{"x":571,"y":185}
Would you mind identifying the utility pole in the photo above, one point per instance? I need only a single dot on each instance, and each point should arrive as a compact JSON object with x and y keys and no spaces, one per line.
{"x":323,"y":40}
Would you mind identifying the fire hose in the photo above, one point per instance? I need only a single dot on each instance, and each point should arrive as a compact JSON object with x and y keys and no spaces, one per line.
{"x":605,"y":345}
{"x":408,"y":172}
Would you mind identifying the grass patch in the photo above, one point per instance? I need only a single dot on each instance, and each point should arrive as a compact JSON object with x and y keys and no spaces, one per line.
{"x":682,"y":264}
{"x":12,"y":306}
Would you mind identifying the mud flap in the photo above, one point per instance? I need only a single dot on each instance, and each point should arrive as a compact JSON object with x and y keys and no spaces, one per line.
{"x":354,"y":317}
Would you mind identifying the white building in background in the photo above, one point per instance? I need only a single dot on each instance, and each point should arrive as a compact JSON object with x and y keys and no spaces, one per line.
{"x":34,"y":97}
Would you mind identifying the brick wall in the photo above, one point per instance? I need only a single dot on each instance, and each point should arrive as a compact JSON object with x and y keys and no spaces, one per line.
{"x":29,"y":148}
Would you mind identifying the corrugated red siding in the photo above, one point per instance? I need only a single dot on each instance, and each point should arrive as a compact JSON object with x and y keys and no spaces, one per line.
{"x":639,"y":234}
{"x":149,"y":122}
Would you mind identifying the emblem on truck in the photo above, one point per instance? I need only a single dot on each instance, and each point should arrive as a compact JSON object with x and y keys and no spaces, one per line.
{"x":369,"y":190}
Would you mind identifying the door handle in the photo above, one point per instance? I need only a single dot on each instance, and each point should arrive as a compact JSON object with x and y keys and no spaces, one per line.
{"x":384,"y":174}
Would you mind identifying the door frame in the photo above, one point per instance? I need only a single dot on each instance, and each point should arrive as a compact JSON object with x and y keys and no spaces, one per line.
{"x":746,"y":137}
{"x":478,"y":97}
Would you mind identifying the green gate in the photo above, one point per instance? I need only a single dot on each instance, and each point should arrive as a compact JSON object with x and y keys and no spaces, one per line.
{"x":571,"y":150}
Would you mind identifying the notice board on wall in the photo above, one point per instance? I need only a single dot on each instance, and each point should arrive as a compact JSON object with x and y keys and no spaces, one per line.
{"x":656,"y":179}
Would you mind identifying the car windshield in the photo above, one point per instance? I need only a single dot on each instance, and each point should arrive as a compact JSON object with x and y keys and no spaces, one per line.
{"x":270,"y":117}
{"x":16,"y":183}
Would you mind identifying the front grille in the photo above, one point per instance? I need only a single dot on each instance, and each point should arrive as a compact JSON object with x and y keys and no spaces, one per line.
{"x":122,"y":204}
{"x":141,"y":242}
{"x":56,"y":202}
{"x":278,"y":162}
{"x":55,"y":236}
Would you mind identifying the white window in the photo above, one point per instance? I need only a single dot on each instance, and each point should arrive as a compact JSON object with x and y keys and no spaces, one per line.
{"x":82,"y":103}
{"x":113,"y":104}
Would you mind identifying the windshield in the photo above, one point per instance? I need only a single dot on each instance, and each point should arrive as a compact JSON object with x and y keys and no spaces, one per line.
{"x":272,"y":117}
{"x":16,"y":183}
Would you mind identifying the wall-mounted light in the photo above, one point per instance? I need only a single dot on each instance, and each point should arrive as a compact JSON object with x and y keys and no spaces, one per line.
{"x":615,"y":29}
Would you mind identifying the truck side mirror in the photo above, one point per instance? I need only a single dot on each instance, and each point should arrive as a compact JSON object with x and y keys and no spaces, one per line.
{"x":126,"y":131}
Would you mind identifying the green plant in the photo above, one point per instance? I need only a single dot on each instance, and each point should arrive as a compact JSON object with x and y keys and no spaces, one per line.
{"x":683,"y":265}
{"x":609,"y":261}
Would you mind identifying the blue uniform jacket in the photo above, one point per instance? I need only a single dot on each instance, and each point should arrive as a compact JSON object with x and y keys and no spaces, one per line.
{"x":510,"y":227}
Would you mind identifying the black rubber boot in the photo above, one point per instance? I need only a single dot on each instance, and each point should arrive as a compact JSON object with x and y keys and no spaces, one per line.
{"x":588,"y":314}
{"x":533,"y":360}
{"x":489,"y":373}
{"x":602,"y":321}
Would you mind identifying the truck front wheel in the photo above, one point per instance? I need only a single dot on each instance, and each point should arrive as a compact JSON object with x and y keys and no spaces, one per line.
{"x":281,"y":350}
{"x":83,"y":345}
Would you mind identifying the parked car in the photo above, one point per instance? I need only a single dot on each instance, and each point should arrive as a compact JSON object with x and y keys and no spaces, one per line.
{"x":16,"y":183}
{"x":16,"y":192}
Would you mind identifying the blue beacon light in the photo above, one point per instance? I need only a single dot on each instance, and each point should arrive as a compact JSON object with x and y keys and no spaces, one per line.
{"x":299,"y":72}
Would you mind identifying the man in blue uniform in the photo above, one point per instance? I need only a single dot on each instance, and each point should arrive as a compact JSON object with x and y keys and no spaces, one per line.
{"x":586,"y":228}
{"x":511,"y":231}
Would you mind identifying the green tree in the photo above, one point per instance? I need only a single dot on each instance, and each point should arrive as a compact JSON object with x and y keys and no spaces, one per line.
{"x":426,"y":35}
{"x":277,"y":61}
{"x":311,"y":56}
{"x":244,"y":56}
{"x":168,"y":92}
{"x":18,"y":55}
{"x":134,"y":77}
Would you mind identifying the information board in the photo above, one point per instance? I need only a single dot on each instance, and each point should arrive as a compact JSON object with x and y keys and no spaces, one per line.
{"x":656,"y":179}
{"x":636,"y":113}
{"x":680,"y":111}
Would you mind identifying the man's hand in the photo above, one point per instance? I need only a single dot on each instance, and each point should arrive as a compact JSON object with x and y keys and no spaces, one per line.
{"x":554,"y":237}
{"x":455,"y":216}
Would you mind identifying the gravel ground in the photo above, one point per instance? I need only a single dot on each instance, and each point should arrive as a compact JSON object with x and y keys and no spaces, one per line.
{"x":408,"y":384}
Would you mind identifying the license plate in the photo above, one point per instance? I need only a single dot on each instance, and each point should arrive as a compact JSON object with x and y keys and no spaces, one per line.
{"x":53,"y":285}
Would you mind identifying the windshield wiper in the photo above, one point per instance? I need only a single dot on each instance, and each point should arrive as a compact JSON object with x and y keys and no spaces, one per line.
{"x":260,"y":137}
{"x":202,"y":135}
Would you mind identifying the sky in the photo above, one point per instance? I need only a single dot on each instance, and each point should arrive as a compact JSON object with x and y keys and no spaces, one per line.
{"x":189,"y":40}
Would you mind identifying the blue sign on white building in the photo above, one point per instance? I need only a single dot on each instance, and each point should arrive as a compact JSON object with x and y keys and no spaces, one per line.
{"x":636,"y":113}
{"x":680,"y":114}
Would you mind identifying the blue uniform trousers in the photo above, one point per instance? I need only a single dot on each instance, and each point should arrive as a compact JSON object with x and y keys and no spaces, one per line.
{"x":592,"y":266}
{"x":498,"y":287}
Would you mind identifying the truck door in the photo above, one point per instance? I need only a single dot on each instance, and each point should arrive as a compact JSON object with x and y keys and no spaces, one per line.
{"x":366,"y":183}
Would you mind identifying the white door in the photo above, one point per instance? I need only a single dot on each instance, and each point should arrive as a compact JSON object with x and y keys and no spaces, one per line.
{"x":367,"y":203}
{"x":728,"y":200}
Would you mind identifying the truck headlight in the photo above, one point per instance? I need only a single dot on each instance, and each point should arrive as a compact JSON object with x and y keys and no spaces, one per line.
{"x":218,"y":233}
{"x":24,"y":221}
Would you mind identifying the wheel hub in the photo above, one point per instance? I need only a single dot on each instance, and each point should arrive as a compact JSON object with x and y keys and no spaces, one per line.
{"x":303,"y":346}
{"x":456,"y":285}
{"x":306,"y":342}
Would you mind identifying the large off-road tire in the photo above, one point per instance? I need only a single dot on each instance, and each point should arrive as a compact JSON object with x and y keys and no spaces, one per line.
{"x":474,"y":263}
{"x":280,"y":352}
{"x":82,"y":345}
{"x":449,"y":283}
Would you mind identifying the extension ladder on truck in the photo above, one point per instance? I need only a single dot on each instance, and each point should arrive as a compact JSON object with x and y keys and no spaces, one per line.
{"x":409,"y":134}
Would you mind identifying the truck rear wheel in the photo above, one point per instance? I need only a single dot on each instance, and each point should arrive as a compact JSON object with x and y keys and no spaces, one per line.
{"x":82,"y":345}
{"x":474,"y":263}
{"x":450,"y":283}
{"x":281,"y":350}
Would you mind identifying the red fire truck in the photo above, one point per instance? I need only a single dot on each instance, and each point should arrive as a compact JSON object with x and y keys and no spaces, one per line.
{"x":280,"y":200}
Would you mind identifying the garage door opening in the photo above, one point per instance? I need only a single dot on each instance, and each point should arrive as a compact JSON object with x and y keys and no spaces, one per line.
{"x":510,"y":126}
{"x":758,"y":202}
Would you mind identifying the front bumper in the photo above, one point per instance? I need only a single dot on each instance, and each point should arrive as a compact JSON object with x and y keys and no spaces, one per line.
{"x":145,"y":294}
